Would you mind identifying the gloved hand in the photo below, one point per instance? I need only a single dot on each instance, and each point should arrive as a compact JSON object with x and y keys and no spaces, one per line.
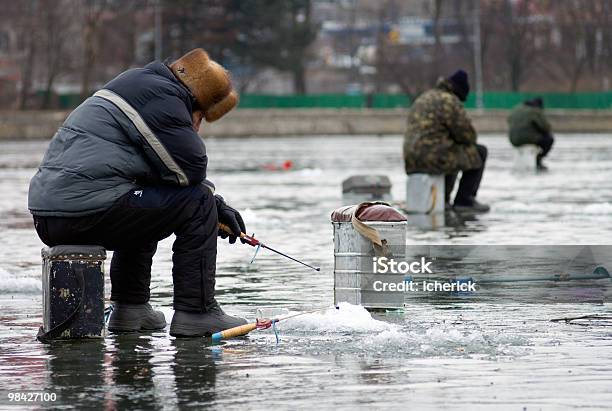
{"x":231,"y":218}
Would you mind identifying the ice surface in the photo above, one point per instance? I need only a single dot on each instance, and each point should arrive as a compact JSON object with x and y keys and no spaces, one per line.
{"x":471,"y":355}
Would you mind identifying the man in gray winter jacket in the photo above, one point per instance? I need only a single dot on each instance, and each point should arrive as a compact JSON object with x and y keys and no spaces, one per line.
{"x":127,"y":169}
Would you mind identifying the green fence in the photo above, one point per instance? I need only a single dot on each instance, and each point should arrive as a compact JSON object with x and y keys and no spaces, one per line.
{"x":492,"y":100}
{"x":324,"y":101}
{"x":580,"y":101}
{"x":301,"y":101}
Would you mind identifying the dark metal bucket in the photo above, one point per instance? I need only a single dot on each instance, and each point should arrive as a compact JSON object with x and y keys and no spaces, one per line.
{"x":73,"y":292}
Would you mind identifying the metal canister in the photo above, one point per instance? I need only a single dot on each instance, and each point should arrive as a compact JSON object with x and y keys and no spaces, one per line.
{"x":354,"y":276}
{"x":525,"y":158}
{"x":360,"y":188}
{"x":73,"y":292}
{"x":425,"y":193}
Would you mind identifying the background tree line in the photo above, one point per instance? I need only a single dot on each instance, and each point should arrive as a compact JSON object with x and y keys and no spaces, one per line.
{"x":54,"y":47}
{"x":539,"y":45}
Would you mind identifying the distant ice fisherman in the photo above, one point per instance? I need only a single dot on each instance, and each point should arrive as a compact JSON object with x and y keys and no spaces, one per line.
{"x":528,"y":125}
{"x":440,"y":139}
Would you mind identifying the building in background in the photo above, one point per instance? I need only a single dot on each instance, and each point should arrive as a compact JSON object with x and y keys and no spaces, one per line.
{"x":53,"y":53}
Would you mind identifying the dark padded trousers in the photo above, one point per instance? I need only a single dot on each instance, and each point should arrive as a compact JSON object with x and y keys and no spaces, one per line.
{"x":469,"y":183}
{"x":133,"y":226}
{"x":545,"y":142}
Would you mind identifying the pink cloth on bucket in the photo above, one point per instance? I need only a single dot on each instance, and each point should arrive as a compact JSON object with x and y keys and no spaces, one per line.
{"x":367,"y":212}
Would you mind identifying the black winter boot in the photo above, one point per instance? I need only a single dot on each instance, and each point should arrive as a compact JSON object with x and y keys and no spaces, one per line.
{"x":471,"y":206}
{"x":135,"y":317}
{"x":539,"y":165}
{"x":189,"y":324}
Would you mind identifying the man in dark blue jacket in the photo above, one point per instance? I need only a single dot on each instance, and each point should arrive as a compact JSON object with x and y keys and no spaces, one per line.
{"x":128,"y":169}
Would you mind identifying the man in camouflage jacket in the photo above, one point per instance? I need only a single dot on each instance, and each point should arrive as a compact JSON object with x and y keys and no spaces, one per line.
{"x":440,"y":139}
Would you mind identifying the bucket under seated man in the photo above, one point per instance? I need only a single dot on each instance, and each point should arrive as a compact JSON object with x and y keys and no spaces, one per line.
{"x":127,"y":169}
{"x":528,"y":125}
{"x":440,"y":139}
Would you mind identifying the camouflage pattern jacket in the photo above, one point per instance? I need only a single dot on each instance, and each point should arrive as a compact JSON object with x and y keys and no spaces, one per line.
{"x":527,"y":125}
{"x":440,"y":138}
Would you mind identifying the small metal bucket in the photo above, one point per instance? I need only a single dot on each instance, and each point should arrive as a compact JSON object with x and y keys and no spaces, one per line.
{"x":73,"y":292}
{"x":354,"y":276}
{"x":425,"y":193}
{"x":525,"y":158}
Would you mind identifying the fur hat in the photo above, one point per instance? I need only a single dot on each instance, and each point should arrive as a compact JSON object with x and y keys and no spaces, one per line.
{"x":209,"y":82}
{"x":461,"y":85}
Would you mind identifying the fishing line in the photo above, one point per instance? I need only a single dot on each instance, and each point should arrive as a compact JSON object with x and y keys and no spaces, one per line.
{"x":253,"y":242}
{"x":275,"y":332}
{"x":256,"y":251}
{"x":107,"y":313}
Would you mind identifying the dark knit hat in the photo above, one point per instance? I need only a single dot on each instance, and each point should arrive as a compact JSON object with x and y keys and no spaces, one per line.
{"x":460,"y":83}
{"x":535,"y":102}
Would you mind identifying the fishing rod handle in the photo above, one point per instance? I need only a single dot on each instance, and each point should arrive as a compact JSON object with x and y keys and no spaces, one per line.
{"x":247,"y":238}
{"x":234,"y":332}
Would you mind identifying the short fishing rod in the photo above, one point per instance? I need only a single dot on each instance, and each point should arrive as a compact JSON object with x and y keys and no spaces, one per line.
{"x":253,"y":242}
{"x":260,"y":324}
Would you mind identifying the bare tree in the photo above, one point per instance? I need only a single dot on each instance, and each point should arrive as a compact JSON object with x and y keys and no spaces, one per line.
{"x":517,"y":33}
{"x":578,"y":25}
{"x":23,"y":15}
{"x":275,"y":33}
{"x":92,"y":11}
{"x":56,"y":18}
{"x":199,"y":23}
{"x":437,"y":50}
{"x":414,"y":67}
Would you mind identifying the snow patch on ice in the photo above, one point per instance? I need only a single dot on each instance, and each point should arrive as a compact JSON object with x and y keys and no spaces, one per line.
{"x":13,"y":284}
{"x":348,"y":318}
{"x":309,"y":172}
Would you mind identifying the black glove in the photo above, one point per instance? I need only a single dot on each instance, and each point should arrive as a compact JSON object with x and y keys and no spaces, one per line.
{"x":231,"y":218}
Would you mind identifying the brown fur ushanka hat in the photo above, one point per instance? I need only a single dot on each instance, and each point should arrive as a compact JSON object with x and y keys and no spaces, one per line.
{"x":209,"y":82}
